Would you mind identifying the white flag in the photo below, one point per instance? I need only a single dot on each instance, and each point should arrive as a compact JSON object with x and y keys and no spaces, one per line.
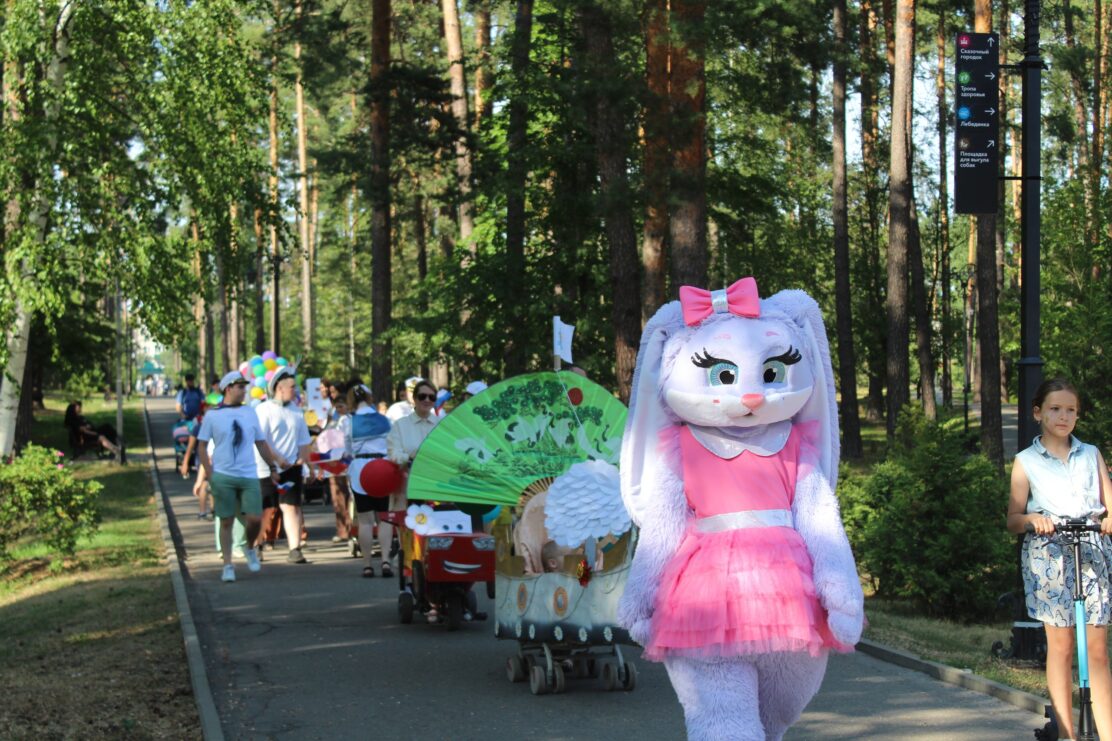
{"x":561,"y":339}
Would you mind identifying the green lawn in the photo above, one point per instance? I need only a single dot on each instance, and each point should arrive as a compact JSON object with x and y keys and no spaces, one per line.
{"x":95,"y":650}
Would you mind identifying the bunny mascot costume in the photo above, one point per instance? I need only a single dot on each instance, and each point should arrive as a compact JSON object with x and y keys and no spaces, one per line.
{"x":743,"y":578}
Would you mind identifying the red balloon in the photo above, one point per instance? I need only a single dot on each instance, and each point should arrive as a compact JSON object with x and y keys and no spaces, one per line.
{"x":381,"y":478}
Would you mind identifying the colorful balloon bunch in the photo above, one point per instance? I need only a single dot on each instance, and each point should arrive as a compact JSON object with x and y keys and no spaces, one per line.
{"x":259,"y":370}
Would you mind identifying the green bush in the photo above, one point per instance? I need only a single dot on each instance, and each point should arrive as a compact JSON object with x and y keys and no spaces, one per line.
{"x":84,"y":385}
{"x":928,"y":523}
{"x":39,"y":496}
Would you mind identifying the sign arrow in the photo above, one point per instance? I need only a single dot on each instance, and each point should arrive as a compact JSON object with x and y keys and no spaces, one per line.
{"x":990,"y":111}
{"x":991,"y":76}
{"x":991,"y":41}
{"x":991,"y":143}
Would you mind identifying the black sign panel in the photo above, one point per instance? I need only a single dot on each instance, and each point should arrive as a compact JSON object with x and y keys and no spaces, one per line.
{"x":977,"y":123}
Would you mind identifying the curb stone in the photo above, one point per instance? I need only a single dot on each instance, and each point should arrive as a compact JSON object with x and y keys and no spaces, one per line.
{"x":959,"y":677}
{"x":202,"y":692}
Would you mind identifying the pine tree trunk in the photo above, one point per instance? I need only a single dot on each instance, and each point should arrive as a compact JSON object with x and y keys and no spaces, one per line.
{"x":275,"y":256}
{"x":303,"y":216}
{"x":847,"y":366}
{"x":611,"y":151}
{"x":943,"y":211}
{"x":899,"y":209}
{"x":381,"y":296}
{"x":234,"y":293}
{"x":454,"y":43}
{"x":260,"y":282}
{"x":656,"y":160}
{"x":516,"y":181}
{"x":483,"y":77}
{"x":988,"y":331}
{"x":688,"y":93}
{"x":875,"y":349}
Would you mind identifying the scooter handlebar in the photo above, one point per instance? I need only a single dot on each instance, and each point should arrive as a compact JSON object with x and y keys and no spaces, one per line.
{"x":1071,"y":525}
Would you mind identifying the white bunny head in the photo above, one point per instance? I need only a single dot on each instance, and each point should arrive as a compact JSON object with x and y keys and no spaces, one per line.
{"x":727,"y":360}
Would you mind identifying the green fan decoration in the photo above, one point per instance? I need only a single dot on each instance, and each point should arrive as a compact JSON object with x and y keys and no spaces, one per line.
{"x":493,"y":446}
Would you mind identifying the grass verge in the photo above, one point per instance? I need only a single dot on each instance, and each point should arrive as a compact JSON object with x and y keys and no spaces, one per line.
{"x":960,"y":645}
{"x":94,"y":650}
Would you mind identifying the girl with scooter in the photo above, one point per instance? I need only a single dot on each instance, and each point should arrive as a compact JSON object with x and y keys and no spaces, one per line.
{"x":1058,"y":478}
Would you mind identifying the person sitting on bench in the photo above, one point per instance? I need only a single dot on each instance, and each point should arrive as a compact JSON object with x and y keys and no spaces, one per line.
{"x":84,"y":436}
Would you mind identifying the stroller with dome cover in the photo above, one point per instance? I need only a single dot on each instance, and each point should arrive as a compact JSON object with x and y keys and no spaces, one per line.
{"x":535,"y":457}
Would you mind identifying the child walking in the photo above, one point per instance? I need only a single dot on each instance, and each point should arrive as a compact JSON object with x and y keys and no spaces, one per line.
{"x":1060,"y":477}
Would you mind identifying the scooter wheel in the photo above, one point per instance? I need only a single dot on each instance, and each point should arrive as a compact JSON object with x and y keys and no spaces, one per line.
{"x":538,"y":683}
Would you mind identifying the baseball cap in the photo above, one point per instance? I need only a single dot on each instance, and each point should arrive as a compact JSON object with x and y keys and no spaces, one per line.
{"x":475,"y":387}
{"x":412,"y":381}
{"x":283,"y":371}
{"x":230,"y":378}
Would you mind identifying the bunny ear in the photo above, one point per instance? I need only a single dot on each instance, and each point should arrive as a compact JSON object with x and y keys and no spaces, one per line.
{"x":642,"y":464}
{"x":822,"y":407}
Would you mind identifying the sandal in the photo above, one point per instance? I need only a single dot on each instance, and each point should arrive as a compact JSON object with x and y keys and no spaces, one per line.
{"x":368,"y":572}
{"x":387,"y":571}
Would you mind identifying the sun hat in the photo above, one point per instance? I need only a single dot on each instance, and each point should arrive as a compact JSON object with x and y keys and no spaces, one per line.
{"x":230,"y":378}
{"x":476,"y":387}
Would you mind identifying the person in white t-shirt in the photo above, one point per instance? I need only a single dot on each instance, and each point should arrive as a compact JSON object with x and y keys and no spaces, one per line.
{"x":236,"y":435}
{"x":283,"y":425}
{"x":405,"y":407}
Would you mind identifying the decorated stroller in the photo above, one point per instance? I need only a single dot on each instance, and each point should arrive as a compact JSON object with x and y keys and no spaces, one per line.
{"x":535,"y":455}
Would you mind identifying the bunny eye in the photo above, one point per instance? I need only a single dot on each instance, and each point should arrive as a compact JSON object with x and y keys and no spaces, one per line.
{"x":722,"y":373}
{"x":774,"y":371}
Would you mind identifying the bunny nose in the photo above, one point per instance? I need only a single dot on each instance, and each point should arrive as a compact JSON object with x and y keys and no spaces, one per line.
{"x":753,"y":401}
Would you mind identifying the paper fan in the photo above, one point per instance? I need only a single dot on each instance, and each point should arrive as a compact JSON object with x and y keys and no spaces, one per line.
{"x":495,"y":444}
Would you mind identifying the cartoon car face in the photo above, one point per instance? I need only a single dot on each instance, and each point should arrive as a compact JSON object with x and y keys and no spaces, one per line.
{"x":464,"y":557}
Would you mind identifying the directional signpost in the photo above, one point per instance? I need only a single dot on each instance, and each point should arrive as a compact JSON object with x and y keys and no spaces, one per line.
{"x":978,"y":123}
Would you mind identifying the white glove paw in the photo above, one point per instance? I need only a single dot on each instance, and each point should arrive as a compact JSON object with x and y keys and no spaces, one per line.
{"x":846,"y":627}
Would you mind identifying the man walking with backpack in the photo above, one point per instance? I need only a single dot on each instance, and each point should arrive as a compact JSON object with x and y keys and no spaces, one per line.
{"x":190,"y":399}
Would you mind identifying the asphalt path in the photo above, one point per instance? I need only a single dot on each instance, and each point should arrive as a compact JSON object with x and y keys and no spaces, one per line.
{"x":314,"y":651}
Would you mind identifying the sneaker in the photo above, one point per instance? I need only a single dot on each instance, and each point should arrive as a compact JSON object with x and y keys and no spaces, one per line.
{"x":337,"y":539}
{"x":432,"y":616}
{"x":353,"y":548}
{"x":202,"y":516}
{"x":253,"y":564}
{"x":467,"y":616}
{"x":229,"y":573}
{"x":296,"y":557}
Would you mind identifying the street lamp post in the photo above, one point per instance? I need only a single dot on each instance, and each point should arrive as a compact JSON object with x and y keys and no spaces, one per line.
{"x":1030,"y":361}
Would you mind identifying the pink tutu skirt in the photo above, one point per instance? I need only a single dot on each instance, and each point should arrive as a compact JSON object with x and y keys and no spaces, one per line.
{"x":738,"y":593}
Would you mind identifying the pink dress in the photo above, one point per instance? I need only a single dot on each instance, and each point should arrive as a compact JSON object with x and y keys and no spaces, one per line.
{"x":744,"y":590}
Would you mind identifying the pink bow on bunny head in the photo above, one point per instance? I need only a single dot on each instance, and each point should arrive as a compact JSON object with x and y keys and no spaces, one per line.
{"x":740,"y":299}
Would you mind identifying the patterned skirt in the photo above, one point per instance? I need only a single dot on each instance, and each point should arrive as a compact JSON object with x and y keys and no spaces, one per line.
{"x":1048,"y":578}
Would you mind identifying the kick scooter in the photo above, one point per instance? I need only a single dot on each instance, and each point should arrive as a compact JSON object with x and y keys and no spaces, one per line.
{"x":1070,"y":533}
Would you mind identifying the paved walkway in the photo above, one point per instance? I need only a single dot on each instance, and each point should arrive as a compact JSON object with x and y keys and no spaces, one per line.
{"x":315,"y":652}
